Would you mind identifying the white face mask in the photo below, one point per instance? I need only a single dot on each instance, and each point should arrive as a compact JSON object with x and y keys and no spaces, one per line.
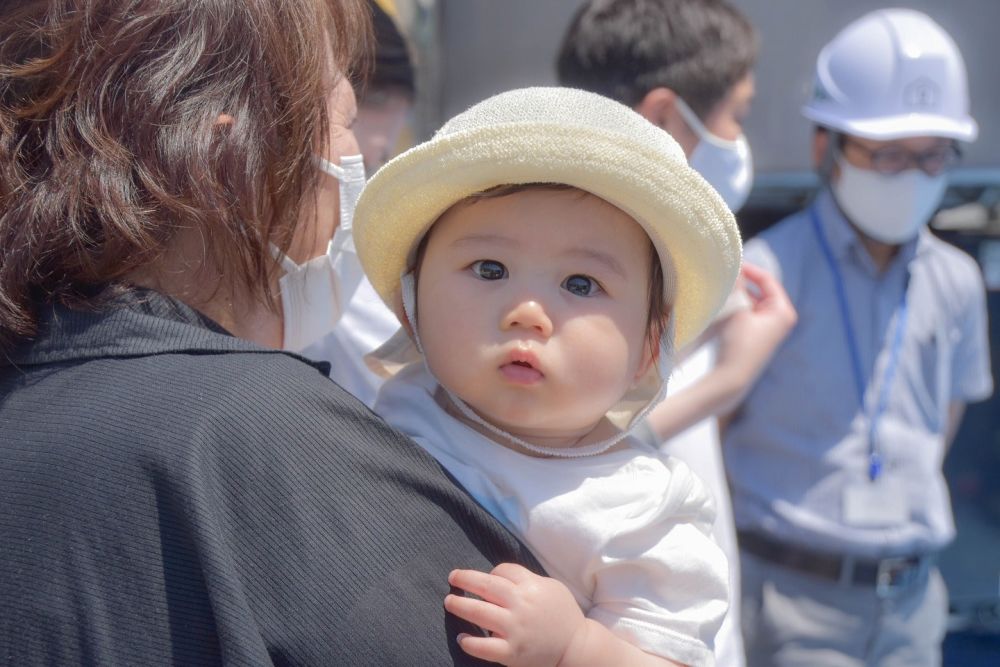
{"x":726,"y":165}
{"x":313,"y":294}
{"x":890,"y":209}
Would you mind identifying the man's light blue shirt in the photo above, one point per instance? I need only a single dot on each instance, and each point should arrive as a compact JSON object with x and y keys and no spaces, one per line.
{"x":801,"y":437}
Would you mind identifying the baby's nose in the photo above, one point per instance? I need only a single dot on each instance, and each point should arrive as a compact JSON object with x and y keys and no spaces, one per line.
{"x":528,"y":314}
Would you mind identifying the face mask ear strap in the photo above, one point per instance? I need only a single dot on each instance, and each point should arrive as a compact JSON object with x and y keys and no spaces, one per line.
{"x":330,"y":168}
{"x":691,"y":118}
{"x":286,"y":262}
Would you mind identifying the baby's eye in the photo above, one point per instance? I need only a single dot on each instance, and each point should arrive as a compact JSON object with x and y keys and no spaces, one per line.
{"x":488,"y":269}
{"x":581,"y":285}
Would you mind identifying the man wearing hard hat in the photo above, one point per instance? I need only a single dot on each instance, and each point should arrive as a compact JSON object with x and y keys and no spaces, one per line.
{"x":835,"y":456}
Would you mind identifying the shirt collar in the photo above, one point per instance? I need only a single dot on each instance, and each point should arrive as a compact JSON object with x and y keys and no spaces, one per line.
{"x":137,"y":323}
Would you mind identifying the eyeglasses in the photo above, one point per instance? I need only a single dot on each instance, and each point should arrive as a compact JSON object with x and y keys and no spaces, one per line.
{"x":891,"y":160}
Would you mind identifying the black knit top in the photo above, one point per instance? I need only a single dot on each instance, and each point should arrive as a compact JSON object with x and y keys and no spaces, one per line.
{"x":170,"y":494}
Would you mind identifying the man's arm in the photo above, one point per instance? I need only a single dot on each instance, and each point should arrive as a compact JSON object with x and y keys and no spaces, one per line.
{"x":747,"y":340}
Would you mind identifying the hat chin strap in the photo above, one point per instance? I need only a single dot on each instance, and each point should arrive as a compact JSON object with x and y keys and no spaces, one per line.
{"x":408,"y":286}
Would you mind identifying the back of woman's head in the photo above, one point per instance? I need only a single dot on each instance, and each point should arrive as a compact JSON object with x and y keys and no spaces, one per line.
{"x":123,"y":122}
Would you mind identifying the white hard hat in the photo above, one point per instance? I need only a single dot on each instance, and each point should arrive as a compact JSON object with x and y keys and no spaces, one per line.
{"x":893,"y":73}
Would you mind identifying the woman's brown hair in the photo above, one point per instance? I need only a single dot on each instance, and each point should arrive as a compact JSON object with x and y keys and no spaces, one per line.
{"x":111,"y":140}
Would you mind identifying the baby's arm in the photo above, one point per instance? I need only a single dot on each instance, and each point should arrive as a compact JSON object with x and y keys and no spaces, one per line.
{"x":535,"y":622}
{"x":747,"y":339}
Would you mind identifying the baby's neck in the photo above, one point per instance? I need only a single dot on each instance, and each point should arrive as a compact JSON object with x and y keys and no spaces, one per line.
{"x":603,"y":429}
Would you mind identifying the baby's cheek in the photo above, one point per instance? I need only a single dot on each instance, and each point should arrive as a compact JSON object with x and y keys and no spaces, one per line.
{"x":603,"y":356}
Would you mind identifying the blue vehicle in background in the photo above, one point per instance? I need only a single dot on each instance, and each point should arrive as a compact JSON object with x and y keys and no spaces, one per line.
{"x":969,"y":219}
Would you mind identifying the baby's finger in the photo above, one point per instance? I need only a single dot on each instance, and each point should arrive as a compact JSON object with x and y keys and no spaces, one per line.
{"x":490,"y":588}
{"x":492,"y":649}
{"x":478,"y":612}
{"x":513,"y":572}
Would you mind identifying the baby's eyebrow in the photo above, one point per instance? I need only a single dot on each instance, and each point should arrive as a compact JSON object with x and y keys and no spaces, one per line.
{"x":600,"y":257}
{"x":494,"y":239}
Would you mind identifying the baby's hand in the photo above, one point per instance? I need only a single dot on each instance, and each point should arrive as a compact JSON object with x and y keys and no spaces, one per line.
{"x":532,"y":620}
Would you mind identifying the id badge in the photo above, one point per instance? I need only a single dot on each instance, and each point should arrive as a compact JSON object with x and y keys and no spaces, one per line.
{"x":875,"y":503}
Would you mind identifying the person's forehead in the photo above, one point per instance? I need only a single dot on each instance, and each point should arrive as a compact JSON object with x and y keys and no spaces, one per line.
{"x":521,"y":213}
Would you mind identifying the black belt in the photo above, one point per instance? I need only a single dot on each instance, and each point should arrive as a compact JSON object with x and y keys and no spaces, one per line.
{"x":886,"y":575}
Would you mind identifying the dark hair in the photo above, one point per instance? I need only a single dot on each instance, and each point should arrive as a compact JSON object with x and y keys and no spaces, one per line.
{"x":658,"y":318}
{"x":111,"y":140}
{"x":623,"y":49}
{"x":392,"y":64}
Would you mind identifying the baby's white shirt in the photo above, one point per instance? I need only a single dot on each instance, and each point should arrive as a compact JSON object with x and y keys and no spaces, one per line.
{"x":627,"y":531}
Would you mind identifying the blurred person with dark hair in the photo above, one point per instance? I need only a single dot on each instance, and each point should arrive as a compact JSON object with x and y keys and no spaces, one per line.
{"x":686,"y":65}
{"x":835,"y":457}
{"x":386,"y":100}
{"x":175,"y":487}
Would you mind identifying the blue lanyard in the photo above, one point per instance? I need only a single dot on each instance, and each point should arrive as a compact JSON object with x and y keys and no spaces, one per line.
{"x":874,"y":457}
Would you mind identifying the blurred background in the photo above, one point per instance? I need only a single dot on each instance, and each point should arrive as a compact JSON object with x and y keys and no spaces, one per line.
{"x":470,"y":49}
{"x":467,"y":50}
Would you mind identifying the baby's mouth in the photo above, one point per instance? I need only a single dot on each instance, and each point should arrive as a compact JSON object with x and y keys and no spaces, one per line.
{"x":520,"y":371}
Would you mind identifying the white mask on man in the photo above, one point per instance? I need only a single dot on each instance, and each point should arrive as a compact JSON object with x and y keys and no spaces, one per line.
{"x":313,"y":294}
{"x":888,"y":208}
{"x":726,"y":165}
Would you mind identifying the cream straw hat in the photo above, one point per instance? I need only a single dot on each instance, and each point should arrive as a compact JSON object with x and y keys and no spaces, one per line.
{"x":557,"y":135}
{"x":554,"y":135}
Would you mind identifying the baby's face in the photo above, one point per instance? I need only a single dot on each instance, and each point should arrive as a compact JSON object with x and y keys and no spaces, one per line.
{"x":532,"y":308}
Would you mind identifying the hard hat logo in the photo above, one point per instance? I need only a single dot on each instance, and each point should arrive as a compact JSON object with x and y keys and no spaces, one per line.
{"x":820,"y":93}
{"x":922,"y":94}
{"x":892,"y":74}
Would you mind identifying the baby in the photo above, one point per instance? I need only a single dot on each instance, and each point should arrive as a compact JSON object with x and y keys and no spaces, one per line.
{"x":545,"y":252}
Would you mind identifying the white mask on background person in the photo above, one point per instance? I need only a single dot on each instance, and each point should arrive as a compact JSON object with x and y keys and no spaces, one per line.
{"x":888,"y":208}
{"x":314,"y":294}
{"x":726,"y":165}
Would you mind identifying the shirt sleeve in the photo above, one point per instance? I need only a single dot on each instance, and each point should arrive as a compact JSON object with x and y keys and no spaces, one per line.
{"x":664,"y":588}
{"x":971,"y":378}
